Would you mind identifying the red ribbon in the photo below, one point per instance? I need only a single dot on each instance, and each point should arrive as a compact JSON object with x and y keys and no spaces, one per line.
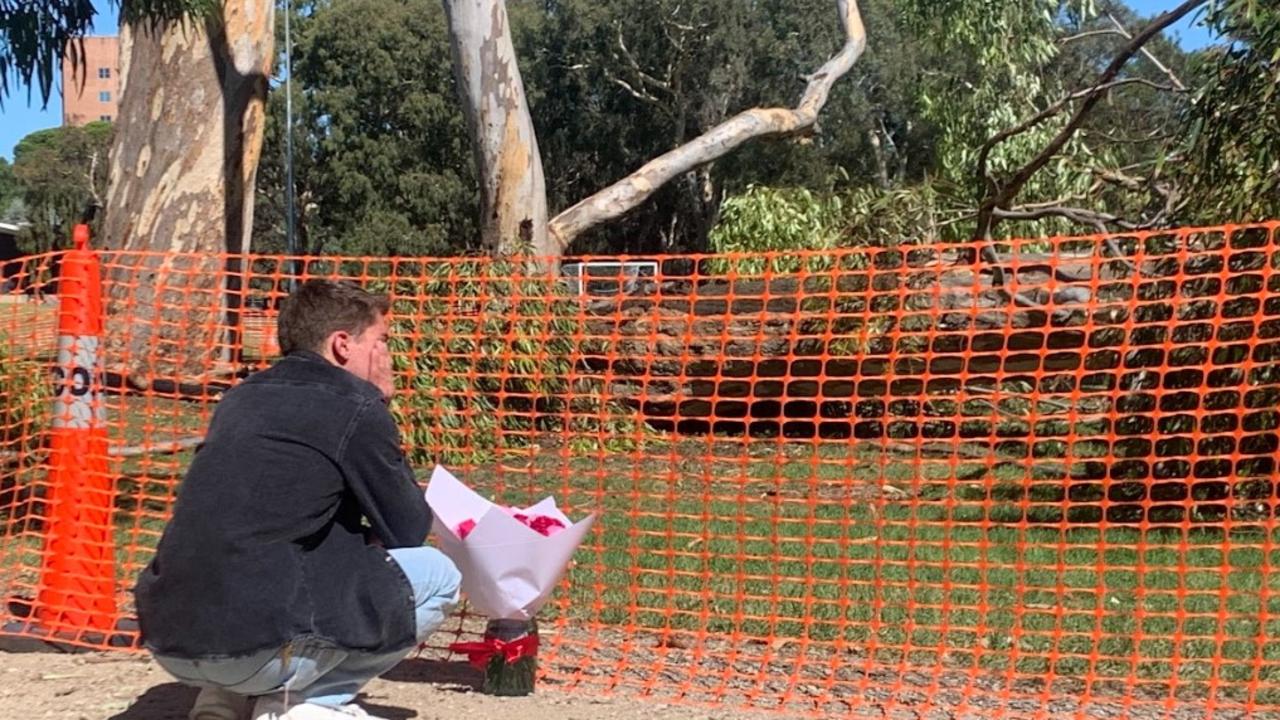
{"x":479,"y":653}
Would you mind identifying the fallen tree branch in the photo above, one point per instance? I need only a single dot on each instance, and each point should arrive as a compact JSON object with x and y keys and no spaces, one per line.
{"x":999,"y":194}
{"x":634,"y":189}
{"x":161,"y":448}
{"x":1079,"y":215}
{"x":1090,"y":96}
{"x":1088,"y":217}
{"x":172,"y":447}
{"x":1172,"y":198}
{"x":1120,"y":178}
{"x":1153,"y":136}
{"x":979,"y":389}
{"x":969,"y":450}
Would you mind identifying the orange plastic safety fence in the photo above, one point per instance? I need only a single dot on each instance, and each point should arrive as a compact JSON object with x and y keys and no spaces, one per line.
{"x":865,"y":482}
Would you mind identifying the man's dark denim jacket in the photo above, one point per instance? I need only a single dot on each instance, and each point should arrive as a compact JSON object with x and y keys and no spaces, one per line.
{"x":267,"y":543}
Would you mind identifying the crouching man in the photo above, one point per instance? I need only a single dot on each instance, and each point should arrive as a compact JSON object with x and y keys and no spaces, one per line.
{"x":293,"y":570}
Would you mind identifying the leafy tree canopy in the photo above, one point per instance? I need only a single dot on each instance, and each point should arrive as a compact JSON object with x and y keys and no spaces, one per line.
{"x":1232,"y":156}
{"x":382,"y":161}
{"x":59,"y":171}
{"x":36,"y":36}
{"x":10,"y":193}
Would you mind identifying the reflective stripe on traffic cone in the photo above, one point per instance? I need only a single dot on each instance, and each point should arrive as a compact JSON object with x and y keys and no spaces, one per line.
{"x":76,"y":591}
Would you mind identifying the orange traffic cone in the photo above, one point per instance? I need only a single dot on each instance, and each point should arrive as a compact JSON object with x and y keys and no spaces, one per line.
{"x":76,"y":591}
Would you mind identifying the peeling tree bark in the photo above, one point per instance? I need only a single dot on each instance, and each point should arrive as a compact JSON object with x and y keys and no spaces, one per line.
{"x":513,"y":199}
{"x":183,"y":165}
{"x":748,"y":125}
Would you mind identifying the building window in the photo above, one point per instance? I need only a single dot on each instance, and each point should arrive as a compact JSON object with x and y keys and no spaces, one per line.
{"x":105,"y":118}
{"x":104,"y":96}
{"x":104,"y":73}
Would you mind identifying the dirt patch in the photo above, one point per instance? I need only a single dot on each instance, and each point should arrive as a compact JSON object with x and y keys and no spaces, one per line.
{"x":123,"y":686}
{"x":132,"y":687}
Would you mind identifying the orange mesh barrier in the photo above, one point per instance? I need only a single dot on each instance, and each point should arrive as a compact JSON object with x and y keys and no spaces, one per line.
{"x":879,"y":482}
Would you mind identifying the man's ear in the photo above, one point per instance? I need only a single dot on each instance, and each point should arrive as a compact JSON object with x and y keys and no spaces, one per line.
{"x":340,"y":347}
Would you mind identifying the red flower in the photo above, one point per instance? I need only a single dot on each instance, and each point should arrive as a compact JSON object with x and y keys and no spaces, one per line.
{"x":541,"y":524}
{"x":546,"y":525}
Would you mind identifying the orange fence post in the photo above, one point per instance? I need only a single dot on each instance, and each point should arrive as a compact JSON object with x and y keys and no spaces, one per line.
{"x":76,"y":589}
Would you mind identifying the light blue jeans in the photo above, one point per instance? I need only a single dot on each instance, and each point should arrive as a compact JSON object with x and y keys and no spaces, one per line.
{"x":313,"y":671}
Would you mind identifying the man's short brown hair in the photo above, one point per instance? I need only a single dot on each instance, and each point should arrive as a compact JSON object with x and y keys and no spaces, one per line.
{"x":319,"y":308}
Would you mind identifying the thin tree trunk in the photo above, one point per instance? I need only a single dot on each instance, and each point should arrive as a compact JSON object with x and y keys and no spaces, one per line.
{"x":183,"y":166}
{"x":878,"y":153}
{"x":513,"y":199}
{"x":704,"y":196}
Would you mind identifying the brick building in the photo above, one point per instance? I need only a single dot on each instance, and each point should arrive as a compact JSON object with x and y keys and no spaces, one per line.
{"x":92,"y":91}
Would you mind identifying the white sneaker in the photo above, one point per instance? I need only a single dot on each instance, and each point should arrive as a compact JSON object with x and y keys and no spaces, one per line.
{"x":218,"y":704}
{"x":273,"y":708}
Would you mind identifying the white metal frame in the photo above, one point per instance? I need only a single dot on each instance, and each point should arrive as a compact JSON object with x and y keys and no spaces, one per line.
{"x":578,"y":273}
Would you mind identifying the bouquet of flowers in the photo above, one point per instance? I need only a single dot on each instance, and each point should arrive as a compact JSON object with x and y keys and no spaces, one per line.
{"x":511,"y":560}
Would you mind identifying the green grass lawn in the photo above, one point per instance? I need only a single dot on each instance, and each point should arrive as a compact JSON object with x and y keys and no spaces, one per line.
{"x":779,"y":546}
{"x":842,"y":544}
{"x":144,"y":487}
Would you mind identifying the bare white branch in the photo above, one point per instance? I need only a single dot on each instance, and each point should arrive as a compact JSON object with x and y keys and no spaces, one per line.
{"x":720,"y":140}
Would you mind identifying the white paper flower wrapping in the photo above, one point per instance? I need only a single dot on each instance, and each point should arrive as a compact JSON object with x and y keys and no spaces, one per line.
{"x":508,"y":569}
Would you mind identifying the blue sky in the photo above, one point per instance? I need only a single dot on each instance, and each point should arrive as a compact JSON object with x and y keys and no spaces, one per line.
{"x":20,"y":116}
{"x":1189,"y":32}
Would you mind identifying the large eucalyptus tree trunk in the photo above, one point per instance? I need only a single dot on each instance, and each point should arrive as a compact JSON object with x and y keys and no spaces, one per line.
{"x":186,"y":149}
{"x":513,"y":199}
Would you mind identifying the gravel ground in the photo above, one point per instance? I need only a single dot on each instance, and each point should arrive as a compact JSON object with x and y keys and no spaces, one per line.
{"x":608,"y":674}
{"x":131,"y":687}
{"x":127,"y":687}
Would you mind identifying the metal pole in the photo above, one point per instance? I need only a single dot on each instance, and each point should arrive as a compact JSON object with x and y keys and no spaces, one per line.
{"x":291,"y":240}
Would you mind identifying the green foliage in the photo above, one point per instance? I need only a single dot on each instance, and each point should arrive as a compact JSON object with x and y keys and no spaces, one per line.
{"x":1232,"y":166}
{"x":776,"y":220}
{"x":33,"y":38}
{"x":24,"y":400}
{"x":154,"y":13}
{"x":382,"y":160}
{"x":53,"y":168}
{"x":785,"y":220}
{"x":36,"y":36}
{"x":494,"y":355}
{"x":10,"y":194}
{"x":899,"y":216}
{"x":995,"y":63}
